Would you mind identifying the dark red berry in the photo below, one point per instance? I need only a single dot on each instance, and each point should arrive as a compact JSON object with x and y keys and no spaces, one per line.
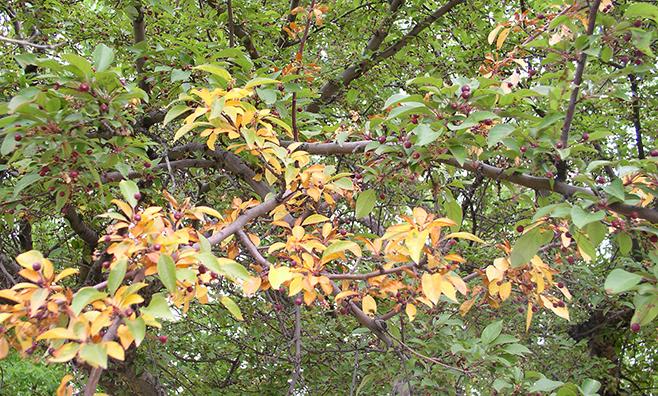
{"x":202,"y":269}
{"x":137,"y":217}
{"x":137,"y":196}
{"x":342,"y":232}
{"x":162,"y":339}
{"x":407,"y":144}
{"x":36,"y":266}
{"x":635,"y":327}
{"x":560,"y":285}
{"x":73,"y":174}
{"x":520,"y":310}
{"x":600,"y":180}
{"x":382,"y":139}
{"x":654,"y":153}
{"x":523,"y":149}
{"x":637,"y":23}
{"x":18,"y":137}
{"x":549,"y":174}
{"x":84,"y":87}
{"x":415,"y":155}
{"x":299,"y":300}
{"x":103,"y":107}
{"x":653,"y":238}
{"x":535,"y":309}
{"x":559,"y":145}
{"x":585,"y":137}
{"x":190,"y":289}
{"x":106,"y":264}
{"x":571,"y":260}
{"x":157,"y":247}
{"x":520,"y":229}
{"x":178,"y":215}
{"x":147,"y":165}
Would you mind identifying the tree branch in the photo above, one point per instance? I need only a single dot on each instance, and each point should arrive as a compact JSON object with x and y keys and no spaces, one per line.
{"x":86,"y":233}
{"x":335,"y":87}
{"x":25,"y":43}
{"x":297,"y":359}
{"x":573,"y":100}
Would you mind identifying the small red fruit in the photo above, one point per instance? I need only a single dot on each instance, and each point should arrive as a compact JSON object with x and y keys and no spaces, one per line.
{"x":382,"y":139}
{"x":202,"y":269}
{"x":585,"y":137}
{"x":523,"y":149}
{"x":637,"y":23}
{"x":138,"y":196}
{"x":162,"y":339}
{"x":520,"y":229}
{"x":18,"y":137}
{"x":137,"y":217}
{"x":73,"y":174}
{"x":178,"y":215}
{"x":600,"y":180}
{"x":147,"y":165}
{"x":653,"y":238}
{"x":635,"y":327}
{"x":342,"y":232}
{"x":299,"y":300}
{"x":103,"y":108}
{"x":84,"y":87}
{"x":190,"y":289}
{"x":407,"y":144}
{"x":549,"y":174}
{"x":654,"y":153}
{"x":560,"y":285}
{"x":157,"y":247}
{"x":36,"y":266}
{"x":571,"y":260}
{"x":559,"y":145}
{"x":415,"y":155}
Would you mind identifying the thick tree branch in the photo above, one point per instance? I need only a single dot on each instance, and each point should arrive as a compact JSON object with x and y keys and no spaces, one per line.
{"x":635,"y":101}
{"x":335,"y":87}
{"x":139,"y":32}
{"x":297,"y":358}
{"x":492,"y":172}
{"x":95,"y":375}
{"x":573,"y":100}
{"x":86,"y":233}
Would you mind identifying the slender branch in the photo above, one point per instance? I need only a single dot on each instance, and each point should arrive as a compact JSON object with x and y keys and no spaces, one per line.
{"x":335,"y":87}
{"x":252,"y":249}
{"x":297,"y":359}
{"x":139,"y":32}
{"x":231,"y":24}
{"x":180,"y":164}
{"x":573,"y":100}
{"x":635,"y":100}
{"x":299,"y":59}
{"x":95,"y":375}
{"x":25,"y":43}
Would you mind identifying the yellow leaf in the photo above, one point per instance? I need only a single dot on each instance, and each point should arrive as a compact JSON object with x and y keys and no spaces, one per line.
{"x":298,"y":232}
{"x":4,"y":348}
{"x":528,"y":317}
{"x":464,"y":235}
{"x":251,"y":285}
{"x":63,"y":389}
{"x":345,"y":294}
{"x":369,"y":305}
{"x":562,"y":312}
{"x":431,"y":285}
{"x":493,"y":273}
{"x":114,"y":350}
{"x":505,"y":291}
{"x":57,"y":334}
{"x":410,"y":309}
{"x":501,"y":37}
{"x":314,"y":219}
{"x":458,"y":282}
{"x":415,"y":241}
{"x":493,"y":34}
{"x":65,"y":353}
{"x":295,"y":286}
{"x":448,"y":289}
{"x":66,"y":273}
{"x":27,"y":259}
{"x":279,"y":275}
{"x":466,"y":306}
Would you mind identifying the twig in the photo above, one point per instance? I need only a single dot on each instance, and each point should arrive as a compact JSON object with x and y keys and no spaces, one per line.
{"x":95,"y":375}
{"x":298,"y":350}
{"x":25,"y":43}
{"x":577,"y":80}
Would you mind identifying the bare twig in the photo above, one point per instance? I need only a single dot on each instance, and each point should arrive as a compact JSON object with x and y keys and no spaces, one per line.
{"x":25,"y":43}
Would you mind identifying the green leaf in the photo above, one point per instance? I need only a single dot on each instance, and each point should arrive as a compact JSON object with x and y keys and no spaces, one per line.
{"x":232,"y":307}
{"x":8,"y":144}
{"x":581,"y":218}
{"x":224,"y":266}
{"x":625,"y":243}
{"x":642,"y":10}
{"x":24,"y":182}
{"x":103,"y":57}
{"x":174,"y":112}
{"x":425,"y":135}
{"x":128,"y":190}
{"x":516,"y":349}
{"x":117,"y":274}
{"x":589,"y":387}
{"x":167,"y":272}
{"x":616,"y":189}
{"x":260,"y":81}
{"x":491,"y":332}
{"x":528,"y":245}
{"x":180,"y":75}
{"x":94,"y":354}
{"x":619,"y":281}
{"x":137,"y":329}
{"x":215,"y":70}
{"x":498,"y":133}
{"x":79,"y":63}
{"x":158,"y":308}
{"x":267,"y":95}
{"x":365,"y":203}
{"x":545,"y":385}
{"x":84,"y":297}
